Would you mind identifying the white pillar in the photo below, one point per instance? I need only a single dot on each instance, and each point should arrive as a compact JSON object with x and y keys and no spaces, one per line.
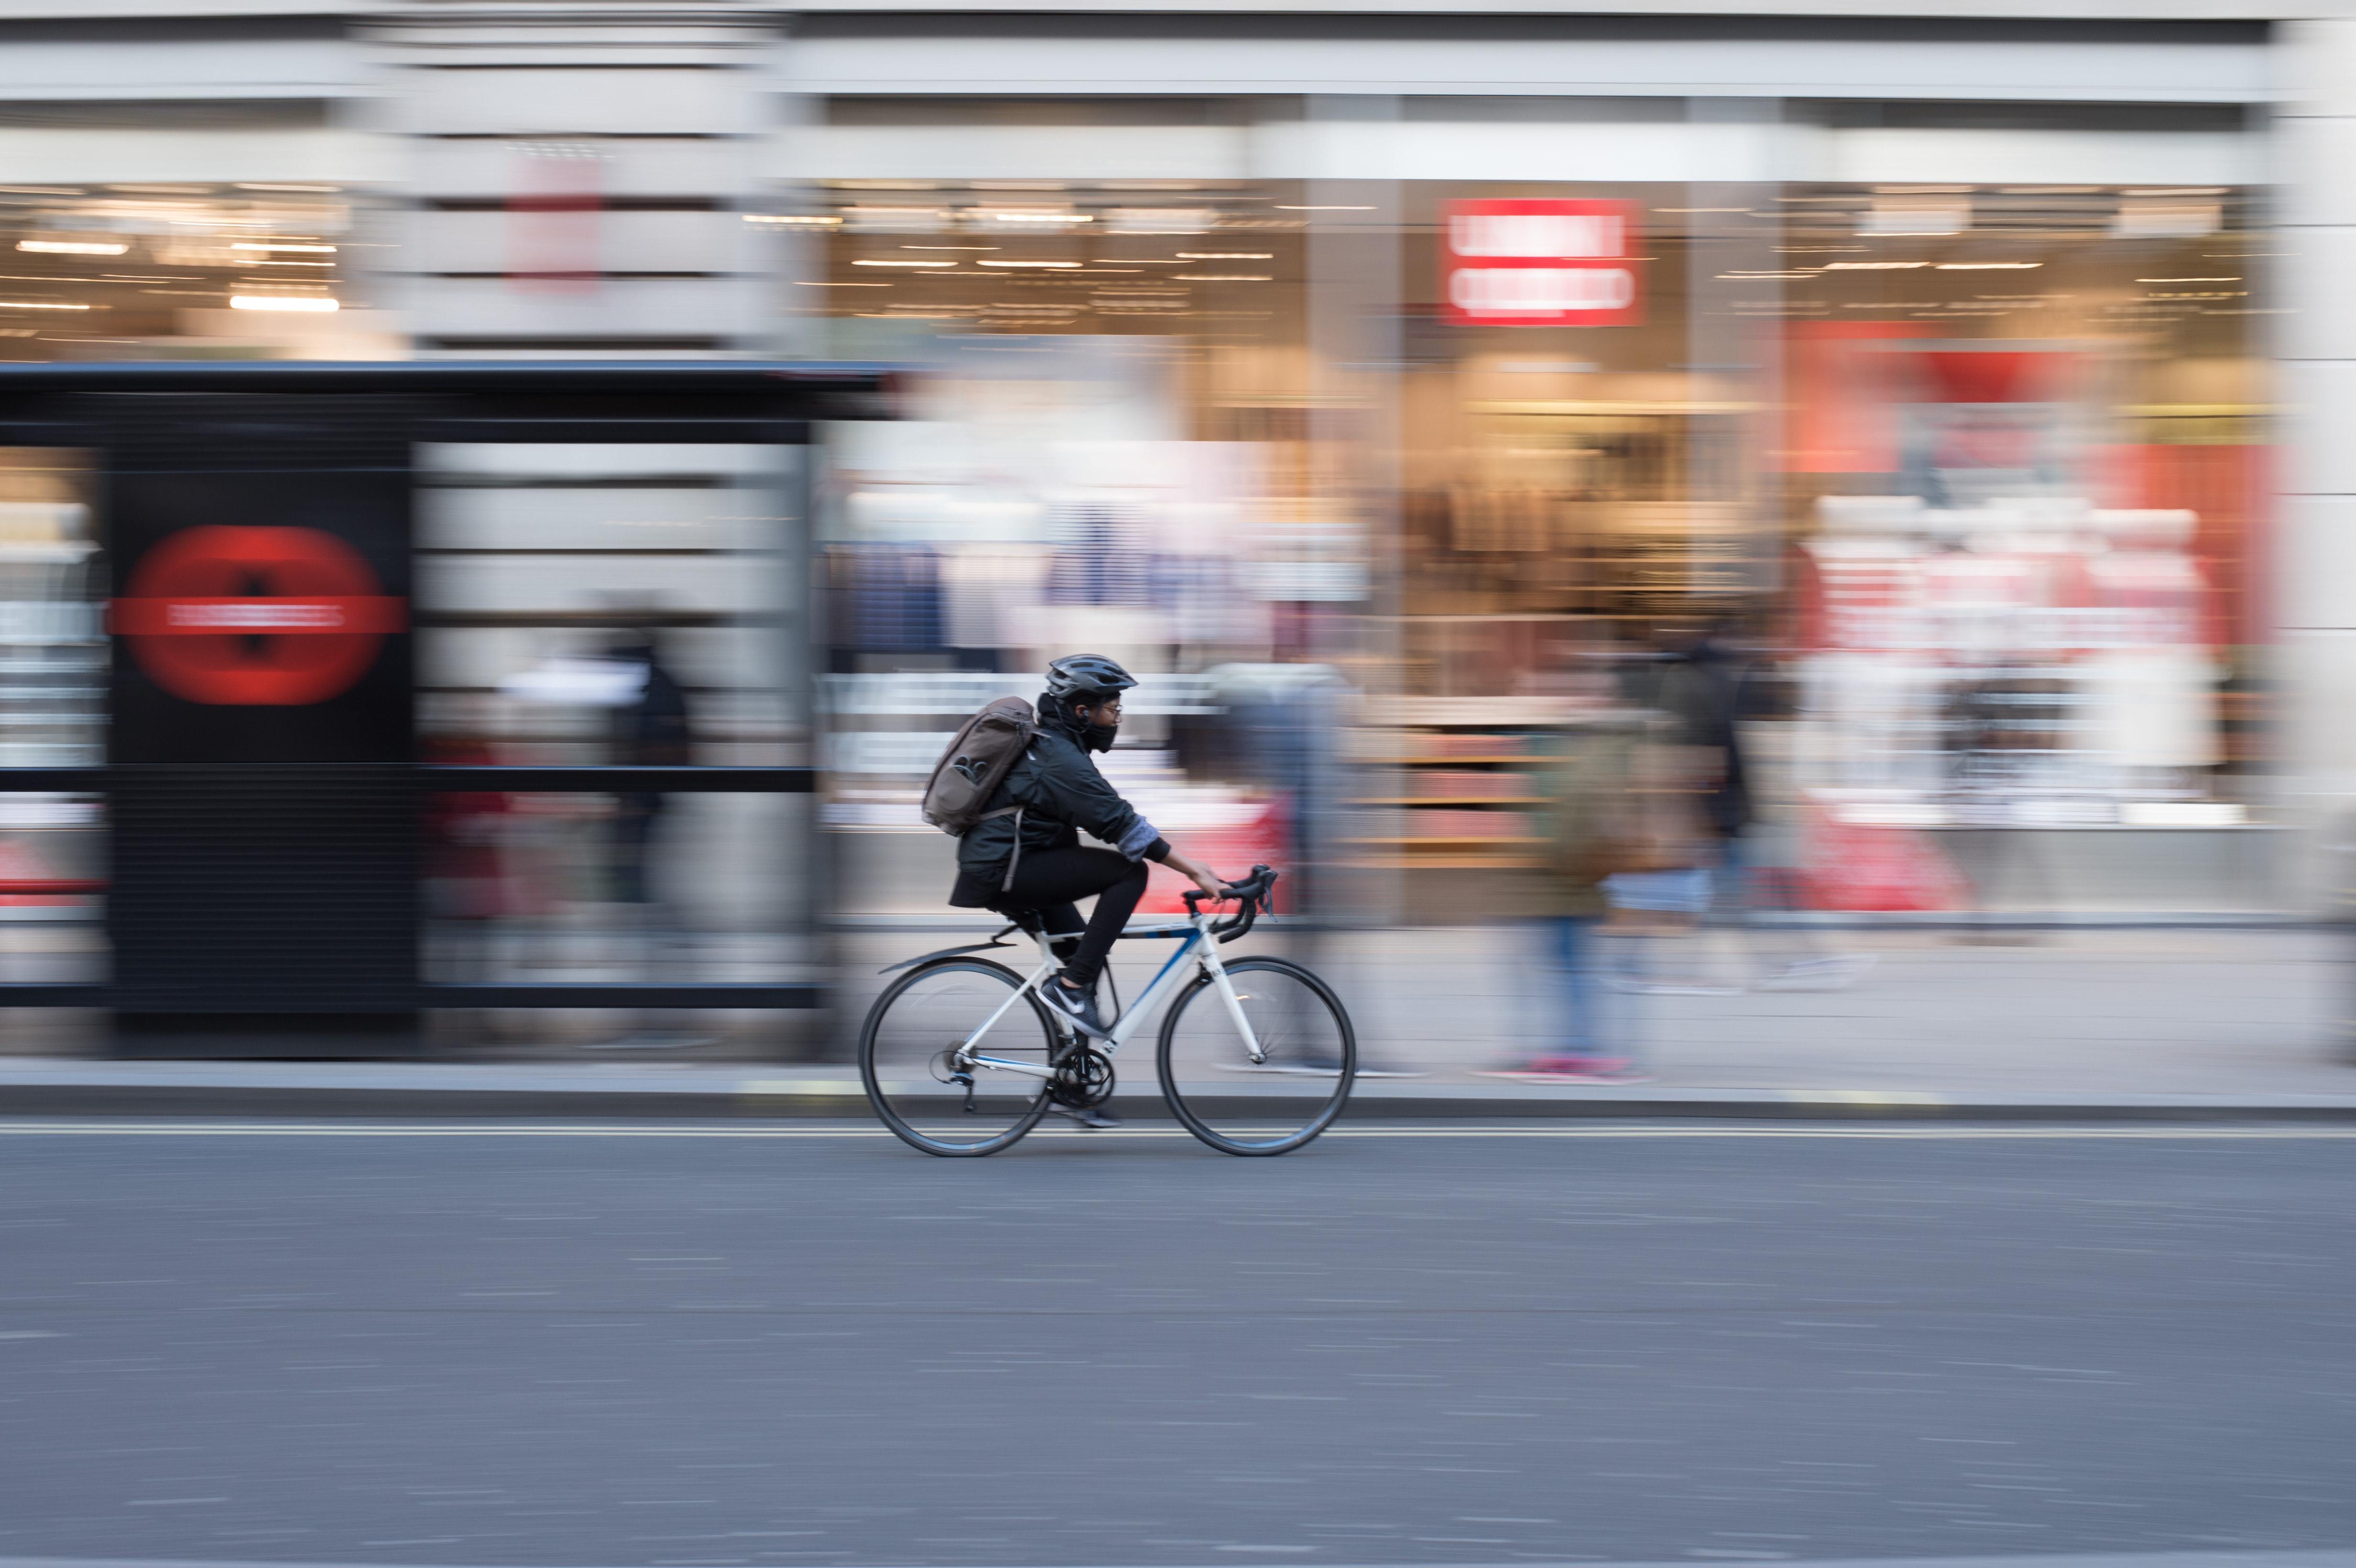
{"x":2313,"y":543}
{"x":578,"y":182}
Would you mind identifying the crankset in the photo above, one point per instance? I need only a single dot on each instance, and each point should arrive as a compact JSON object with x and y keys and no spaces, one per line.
{"x":1085,"y":1079}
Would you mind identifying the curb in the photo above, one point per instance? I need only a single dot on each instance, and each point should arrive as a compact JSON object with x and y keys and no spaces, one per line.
{"x":793,"y":1098}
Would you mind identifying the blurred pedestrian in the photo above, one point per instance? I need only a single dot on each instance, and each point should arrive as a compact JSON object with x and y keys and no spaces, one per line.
{"x":1591,"y":830}
{"x":1706,"y":686}
{"x":650,"y":730}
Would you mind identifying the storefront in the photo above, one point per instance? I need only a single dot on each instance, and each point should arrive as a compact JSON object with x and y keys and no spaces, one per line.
{"x":1977,"y":464}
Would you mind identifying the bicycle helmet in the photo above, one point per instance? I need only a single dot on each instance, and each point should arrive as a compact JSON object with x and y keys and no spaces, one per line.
{"x":1086,"y":678}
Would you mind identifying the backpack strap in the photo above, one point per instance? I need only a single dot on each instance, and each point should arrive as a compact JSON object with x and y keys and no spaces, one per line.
{"x":1007,"y":882}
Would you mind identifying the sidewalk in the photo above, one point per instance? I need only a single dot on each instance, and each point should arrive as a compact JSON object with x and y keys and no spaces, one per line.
{"x":2149,"y":1023}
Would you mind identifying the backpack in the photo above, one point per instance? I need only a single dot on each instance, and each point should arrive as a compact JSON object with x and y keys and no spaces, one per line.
{"x":976,"y":763}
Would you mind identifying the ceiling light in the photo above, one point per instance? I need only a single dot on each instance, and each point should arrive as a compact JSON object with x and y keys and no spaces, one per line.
{"x":1226,"y":255}
{"x":1871,"y":266}
{"x":74,"y":246}
{"x":1059,"y":266}
{"x":2164,"y":221}
{"x":1988,"y":266}
{"x":312,"y":303}
{"x":2188,"y":279}
{"x":1222,"y":277}
{"x":866,"y":262}
{"x":1162,"y":220}
{"x":39,"y":304}
{"x":280,"y":245}
{"x":892,"y":219}
{"x":797,"y":219}
{"x":1909,"y":213}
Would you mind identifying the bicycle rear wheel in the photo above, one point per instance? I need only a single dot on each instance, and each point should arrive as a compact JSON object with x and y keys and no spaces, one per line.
{"x":1271,"y":1106}
{"x":915,"y":1027}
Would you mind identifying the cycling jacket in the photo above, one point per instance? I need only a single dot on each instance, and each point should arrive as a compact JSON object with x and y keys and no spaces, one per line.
{"x":1047,"y":798}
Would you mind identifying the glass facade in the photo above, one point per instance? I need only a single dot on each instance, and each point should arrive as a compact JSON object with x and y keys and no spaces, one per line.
{"x":1976,"y":471}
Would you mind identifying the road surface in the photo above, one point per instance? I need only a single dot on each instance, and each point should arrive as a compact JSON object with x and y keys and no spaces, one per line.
{"x":757,"y":1345}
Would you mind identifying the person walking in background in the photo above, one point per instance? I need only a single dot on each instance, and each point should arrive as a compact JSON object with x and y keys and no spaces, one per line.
{"x":1591,"y":830}
{"x":651,"y":729}
{"x":1705,"y":686}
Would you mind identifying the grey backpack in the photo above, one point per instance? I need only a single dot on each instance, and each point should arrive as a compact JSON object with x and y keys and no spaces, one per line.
{"x":976,"y":763}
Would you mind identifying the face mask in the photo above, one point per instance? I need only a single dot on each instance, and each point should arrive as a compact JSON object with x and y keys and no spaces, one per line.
{"x":1099,"y":737}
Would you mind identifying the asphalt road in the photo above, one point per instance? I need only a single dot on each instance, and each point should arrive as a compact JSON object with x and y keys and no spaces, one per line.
{"x":787,"y":1346}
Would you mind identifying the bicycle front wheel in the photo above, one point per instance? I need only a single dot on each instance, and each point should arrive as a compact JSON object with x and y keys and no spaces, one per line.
{"x":1273,"y":1105}
{"x":908,"y":1049}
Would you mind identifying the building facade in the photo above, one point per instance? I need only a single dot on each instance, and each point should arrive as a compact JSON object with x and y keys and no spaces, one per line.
{"x":1984,"y":364}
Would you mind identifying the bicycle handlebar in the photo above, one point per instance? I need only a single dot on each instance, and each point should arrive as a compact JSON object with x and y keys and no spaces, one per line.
{"x":1252,"y":895}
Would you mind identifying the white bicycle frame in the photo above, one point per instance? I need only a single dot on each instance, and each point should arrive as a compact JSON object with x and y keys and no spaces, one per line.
{"x":1195,"y":940}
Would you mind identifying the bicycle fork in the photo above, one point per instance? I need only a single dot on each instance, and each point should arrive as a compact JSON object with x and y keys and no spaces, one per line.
{"x":1235,"y":1005}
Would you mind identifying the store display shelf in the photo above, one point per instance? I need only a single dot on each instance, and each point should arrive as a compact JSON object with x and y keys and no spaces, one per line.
{"x":1615,"y":406}
{"x":1452,"y":841}
{"x":1440,"y":863}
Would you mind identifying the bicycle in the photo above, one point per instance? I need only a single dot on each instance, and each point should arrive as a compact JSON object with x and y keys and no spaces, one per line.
{"x":961,"y":1058}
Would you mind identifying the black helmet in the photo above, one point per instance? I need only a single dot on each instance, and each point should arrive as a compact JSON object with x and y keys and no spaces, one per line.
{"x":1089,"y":678}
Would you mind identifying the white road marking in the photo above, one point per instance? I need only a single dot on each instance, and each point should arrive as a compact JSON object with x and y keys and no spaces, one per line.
{"x":2148,"y":1132}
{"x":2323,"y":1557}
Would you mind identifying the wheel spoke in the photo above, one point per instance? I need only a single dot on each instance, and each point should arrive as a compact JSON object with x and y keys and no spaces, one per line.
{"x":1309,"y":1054}
{"x":919,"y":1076}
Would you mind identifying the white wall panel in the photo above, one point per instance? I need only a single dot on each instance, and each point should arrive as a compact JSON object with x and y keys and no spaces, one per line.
{"x":480,"y":584}
{"x":598,"y":520}
{"x":2313,"y":271}
{"x":2107,"y":70}
{"x":183,"y":68}
{"x":1009,"y":152}
{"x":468,"y":167}
{"x":46,"y":157}
{"x":1570,"y":150}
{"x":1574,"y":150}
{"x":496,"y":308}
{"x":2318,"y":461}
{"x":649,"y":461}
{"x":2041,"y":157}
{"x":624,"y":242}
{"x":565,"y":101}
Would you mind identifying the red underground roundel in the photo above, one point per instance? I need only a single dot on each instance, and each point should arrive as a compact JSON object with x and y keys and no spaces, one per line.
{"x":255,"y":617}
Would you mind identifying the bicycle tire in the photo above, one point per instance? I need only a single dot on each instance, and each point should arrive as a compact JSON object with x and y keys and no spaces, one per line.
{"x":874,"y":1077}
{"x":1202,"y":1103}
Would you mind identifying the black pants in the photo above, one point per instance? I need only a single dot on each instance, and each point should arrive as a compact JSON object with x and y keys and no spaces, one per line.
{"x":1051,"y":880}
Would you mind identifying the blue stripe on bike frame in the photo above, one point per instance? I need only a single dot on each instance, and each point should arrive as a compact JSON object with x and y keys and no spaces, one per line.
{"x":1183,"y":948}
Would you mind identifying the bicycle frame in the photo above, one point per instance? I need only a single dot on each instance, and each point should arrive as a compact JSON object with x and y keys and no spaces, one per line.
{"x":1197,"y":941}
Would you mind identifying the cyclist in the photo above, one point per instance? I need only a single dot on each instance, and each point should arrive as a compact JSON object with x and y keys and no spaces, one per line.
{"x":1059,"y":792}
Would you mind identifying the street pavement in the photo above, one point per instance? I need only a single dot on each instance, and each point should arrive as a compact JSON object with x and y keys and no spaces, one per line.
{"x":740,"y":1345}
{"x":2234,"y":1019}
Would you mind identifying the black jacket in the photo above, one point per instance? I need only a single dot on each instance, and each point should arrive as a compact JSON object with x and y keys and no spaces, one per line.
{"x":1061,"y":792}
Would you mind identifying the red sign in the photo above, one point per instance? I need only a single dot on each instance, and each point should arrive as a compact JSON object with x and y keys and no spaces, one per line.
{"x":255,"y":617}
{"x":1530,"y":262}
